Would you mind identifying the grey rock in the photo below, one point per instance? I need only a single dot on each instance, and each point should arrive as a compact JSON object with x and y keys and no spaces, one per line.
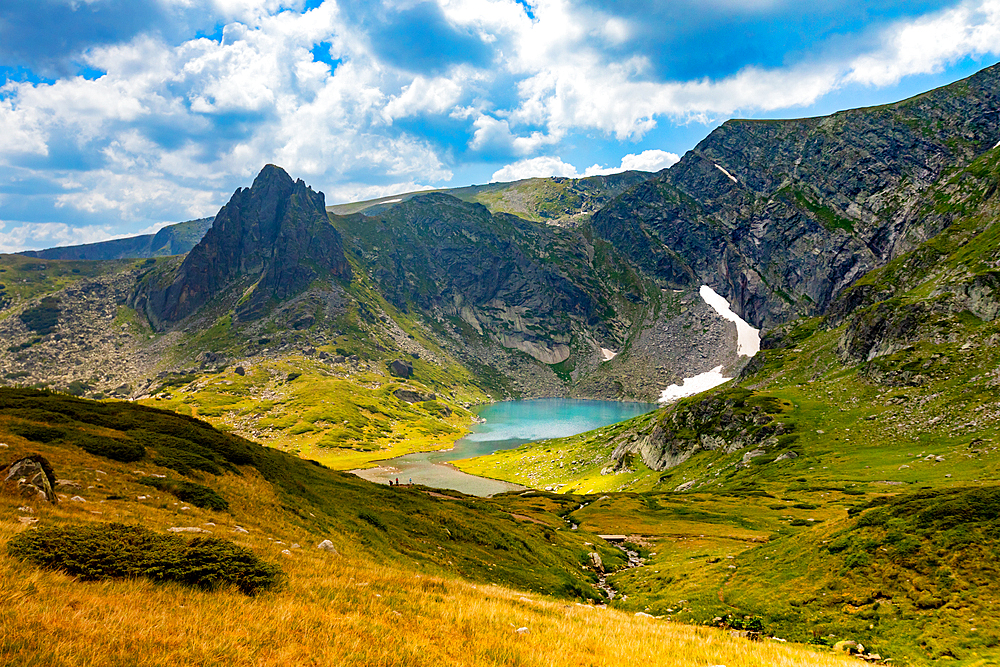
{"x":327,"y":545}
{"x":187,"y":529}
{"x":401,"y":369}
{"x":30,"y":478}
{"x":596,"y":563}
{"x":239,"y":370}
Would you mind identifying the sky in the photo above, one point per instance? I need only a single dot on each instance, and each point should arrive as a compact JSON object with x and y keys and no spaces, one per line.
{"x":120,"y":116}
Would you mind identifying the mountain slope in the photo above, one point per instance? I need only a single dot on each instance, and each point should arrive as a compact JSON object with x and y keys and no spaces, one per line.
{"x":859,"y":448}
{"x":781,"y":216}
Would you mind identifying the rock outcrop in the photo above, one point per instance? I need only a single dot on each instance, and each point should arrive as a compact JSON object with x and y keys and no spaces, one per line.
{"x":29,"y":478}
{"x":273,"y":238}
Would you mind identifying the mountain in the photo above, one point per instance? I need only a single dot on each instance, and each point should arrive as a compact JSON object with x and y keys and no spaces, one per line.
{"x":558,"y":200}
{"x":843,"y":488}
{"x":171,"y":240}
{"x":274,"y":238}
{"x":782,"y":216}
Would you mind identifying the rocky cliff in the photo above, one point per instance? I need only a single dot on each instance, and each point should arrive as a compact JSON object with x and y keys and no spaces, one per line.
{"x":273,"y":238}
{"x":781,"y":216}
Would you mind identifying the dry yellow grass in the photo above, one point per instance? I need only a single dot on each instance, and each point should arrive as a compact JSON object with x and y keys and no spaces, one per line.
{"x":342,"y":610}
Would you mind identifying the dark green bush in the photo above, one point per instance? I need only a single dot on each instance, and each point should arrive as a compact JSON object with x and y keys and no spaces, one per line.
{"x":37,"y":432}
{"x":184,"y":462}
{"x":112,"y":448}
{"x":189,"y":492}
{"x":42,"y":319}
{"x":117,"y":551}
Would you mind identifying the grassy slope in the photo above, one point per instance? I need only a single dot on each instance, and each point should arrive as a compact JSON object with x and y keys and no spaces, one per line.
{"x":390,"y":596}
{"x":918,"y":425}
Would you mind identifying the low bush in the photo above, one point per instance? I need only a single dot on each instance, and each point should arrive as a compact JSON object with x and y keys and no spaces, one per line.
{"x":117,"y":551}
{"x":188,"y":492}
{"x":124,"y":450}
{"x":37,"y":433}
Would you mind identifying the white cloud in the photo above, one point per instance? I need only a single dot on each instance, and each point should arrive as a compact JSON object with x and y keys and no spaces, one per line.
{"x":651,"y":160}
{"x":928,"y":44}
{"x":541,"y":167}
{"x":172,"y":128}
{"x":39,"y":235}
{"x":537,"y":167}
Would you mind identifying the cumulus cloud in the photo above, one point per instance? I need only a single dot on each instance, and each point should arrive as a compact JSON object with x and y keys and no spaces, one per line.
{"x":536,"y":167}
{"x":651,"y":160}
{"x":38,"y":235}
{"x":540,"y":167}
{"x":165,"y":125}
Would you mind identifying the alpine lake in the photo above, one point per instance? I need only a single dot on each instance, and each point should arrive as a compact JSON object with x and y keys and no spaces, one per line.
{"x":507,"y":424}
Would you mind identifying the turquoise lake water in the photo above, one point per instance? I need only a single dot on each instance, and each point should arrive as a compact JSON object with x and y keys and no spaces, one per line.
{"x":508,"y":424}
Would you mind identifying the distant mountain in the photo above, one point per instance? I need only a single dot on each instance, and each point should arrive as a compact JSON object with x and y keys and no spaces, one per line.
{"x":171,"y":240}
{"x":274,"y":238}
{"x":556,"y":199}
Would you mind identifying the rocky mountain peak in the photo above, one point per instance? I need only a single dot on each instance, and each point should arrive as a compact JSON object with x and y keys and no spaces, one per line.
{"x":273,"y":238}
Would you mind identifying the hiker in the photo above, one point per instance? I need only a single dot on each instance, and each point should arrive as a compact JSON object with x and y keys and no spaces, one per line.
{"x":390,"y":482}
{"x":397,"y":481}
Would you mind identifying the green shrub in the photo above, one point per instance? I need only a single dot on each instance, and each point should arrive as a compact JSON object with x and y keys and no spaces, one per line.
{"x":42,"y":319}
{"x":37,"y":433}
{"x":189,"y":492}
{"x":116,"y":449}
{"x":117,"y":551}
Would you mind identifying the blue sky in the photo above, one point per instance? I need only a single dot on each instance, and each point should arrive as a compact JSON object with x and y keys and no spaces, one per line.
{"x":119,"y":116}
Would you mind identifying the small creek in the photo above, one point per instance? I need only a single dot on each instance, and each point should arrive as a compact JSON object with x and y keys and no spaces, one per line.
{"x":508,"y":424}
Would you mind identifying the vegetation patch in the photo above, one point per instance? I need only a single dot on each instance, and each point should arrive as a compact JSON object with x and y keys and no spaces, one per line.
{"x":119,"y":551}
{"x":43,"y":318}
{"x":189,"y":492}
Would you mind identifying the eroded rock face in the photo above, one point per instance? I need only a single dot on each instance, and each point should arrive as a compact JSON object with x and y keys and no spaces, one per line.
{"x":721,"y":421}
{"x":30,"y":478}
{"x":781,"y":216}
{"x":274,"y":238}
{"x":524,"y":286}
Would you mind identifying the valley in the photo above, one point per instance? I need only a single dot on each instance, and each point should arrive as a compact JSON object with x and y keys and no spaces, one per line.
{"x":843,"y":486}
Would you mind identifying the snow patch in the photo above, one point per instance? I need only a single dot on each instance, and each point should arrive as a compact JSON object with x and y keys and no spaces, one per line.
{"x":747,"y":338}
{"x":694,"y":385}
{"x":390,"y":201}
{"x":723,"y":170}
{"x":996,"y":144}
{"x":608,"y":354}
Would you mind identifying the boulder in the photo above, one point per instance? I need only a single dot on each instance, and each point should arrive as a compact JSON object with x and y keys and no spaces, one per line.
{"x":188,"y":529}
{"x":595,"y":562}
{"x":327,"y":545}
{"x":411,"y":395}
{"x":339,"y":359}
{"x":30,"y":478}
{"x":786,"y":456}
{"x":849,"y":646}
{"x":401,"y":369}
{"x":239,"y":370}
